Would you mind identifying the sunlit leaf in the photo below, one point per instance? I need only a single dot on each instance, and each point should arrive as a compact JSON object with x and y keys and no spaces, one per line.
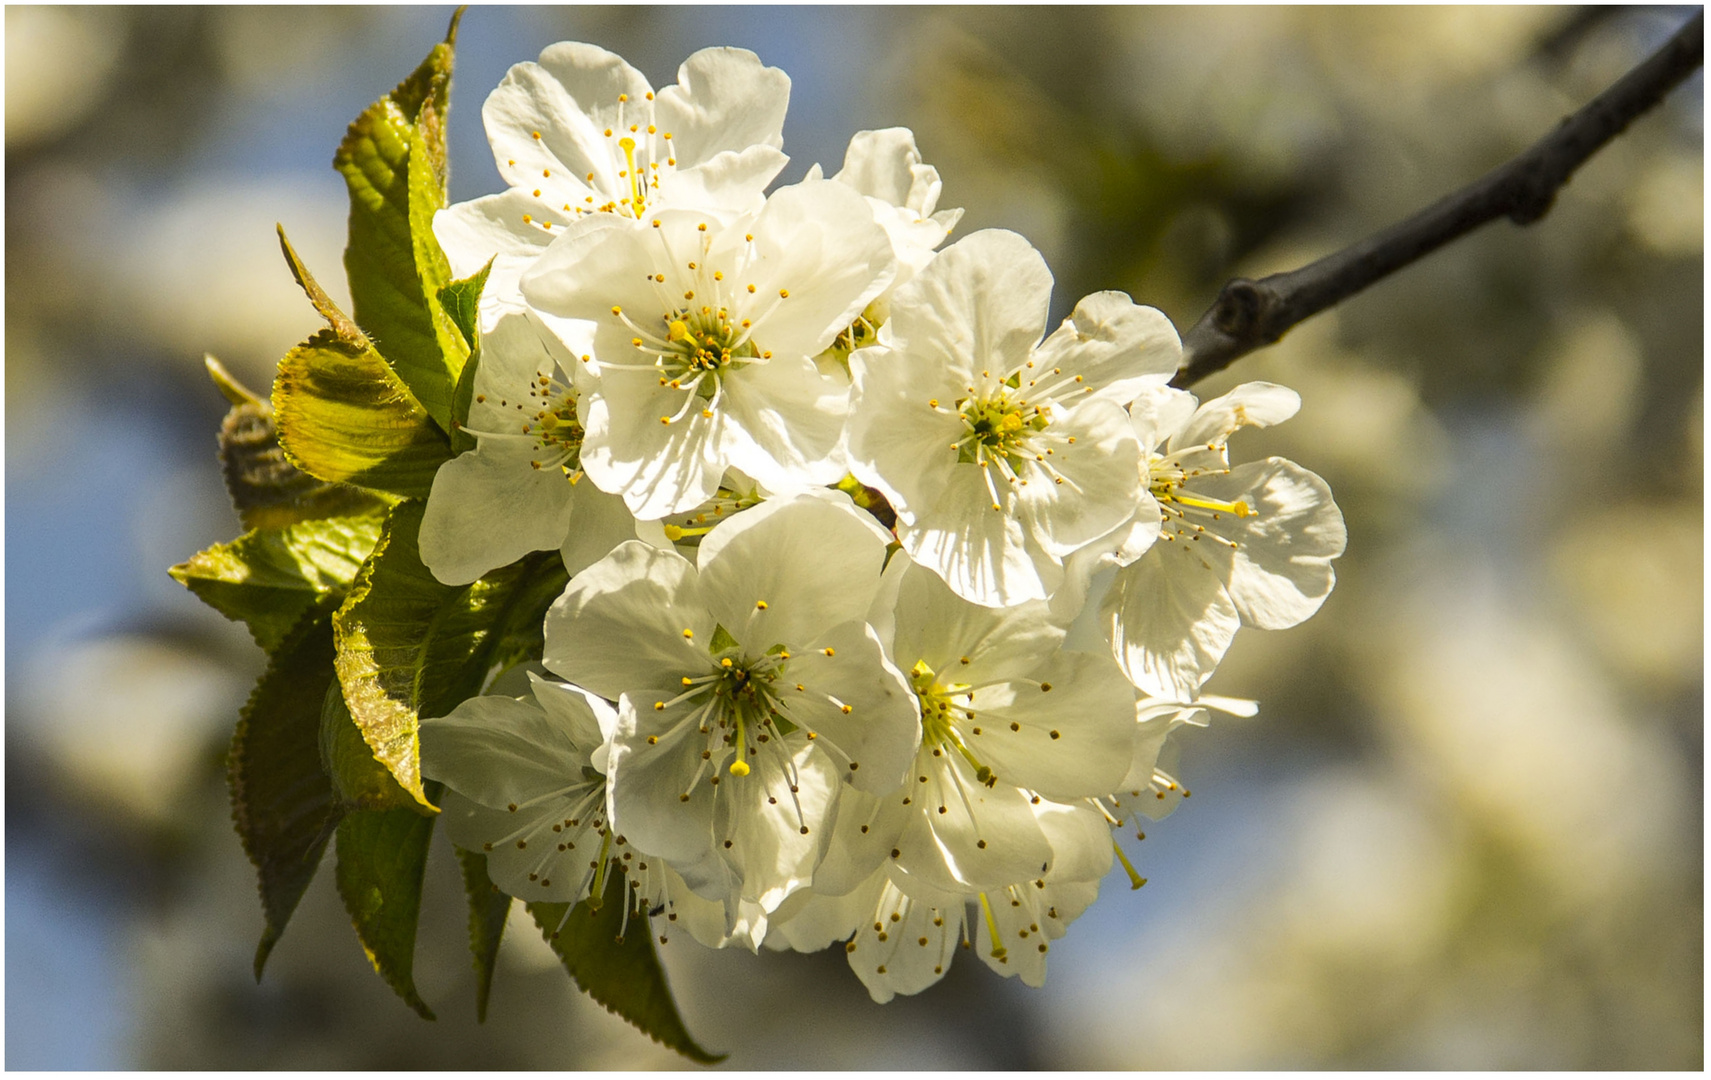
{"x":360,"y":780}
{"x":268,"y":491}
{"x":394,"y":264}
{"x":488,"y":909}
{"x":269,"y":578}
{"x":410,"y":647}
{"x":461,"y":300}
{"x":282,"y":800}
{"x":344,"y":415}
{"x":610,"y":954}
{"x":381,"y":858}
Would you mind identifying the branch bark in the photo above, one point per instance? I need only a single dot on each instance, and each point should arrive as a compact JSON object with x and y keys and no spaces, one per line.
{"x":1252,"y":314}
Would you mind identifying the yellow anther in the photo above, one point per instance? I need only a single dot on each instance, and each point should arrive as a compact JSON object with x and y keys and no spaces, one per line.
{"x":689,"y":633}
{"x":760,"y":605}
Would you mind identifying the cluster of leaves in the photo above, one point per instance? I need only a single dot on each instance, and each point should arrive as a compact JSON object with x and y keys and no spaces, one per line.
{"x":330,"y":479}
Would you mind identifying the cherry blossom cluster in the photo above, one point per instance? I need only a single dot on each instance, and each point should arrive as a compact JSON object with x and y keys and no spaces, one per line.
{"x":831,"y":498}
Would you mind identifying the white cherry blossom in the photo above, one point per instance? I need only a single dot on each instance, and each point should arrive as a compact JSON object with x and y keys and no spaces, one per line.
{"x":527,"y":787}
{"x":750,"y":691}
{"x":1245,"y":546}
{"x":521,"y":488}
{"x":902,"y":935}
{"x":885,"y":166}
{"x":581,"y":133}
{"x":702,"y":335}
{"x":1002,"y":453}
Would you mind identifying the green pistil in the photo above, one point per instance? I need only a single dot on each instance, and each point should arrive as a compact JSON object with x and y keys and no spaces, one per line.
{"x":747,"y":708}
{"x":999,"y":952}
{"x":598,"y":888}
{"x":706,"y":342}
{"x":999,"y":428}
{"x":1135,"y":879}
{"x":938,"y":724}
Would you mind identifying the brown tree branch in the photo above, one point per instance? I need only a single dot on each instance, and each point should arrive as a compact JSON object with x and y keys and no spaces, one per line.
{"x":1251,"y":314}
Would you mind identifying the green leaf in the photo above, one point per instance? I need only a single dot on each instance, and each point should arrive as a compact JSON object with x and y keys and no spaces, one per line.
{"x":381,"y":857}
{"x":393,"y":162}
{"x":269,"y":578}
{"x":409,"y":646}
{"x":282,"y":800}
{"x":462,"y":300}
{"x":268,"y":491}
{"x":349,"y":332}
{"x":360,"y":781}
{"x":344,"y":415}
{"x":488,"y":909}
{"x":616,"y":965}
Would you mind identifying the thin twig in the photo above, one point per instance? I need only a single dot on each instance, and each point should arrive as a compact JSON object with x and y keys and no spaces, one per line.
{"x":1251,"y":314}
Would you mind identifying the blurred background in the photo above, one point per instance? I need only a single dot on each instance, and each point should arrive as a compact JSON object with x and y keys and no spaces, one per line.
{"x":1466,"y":829}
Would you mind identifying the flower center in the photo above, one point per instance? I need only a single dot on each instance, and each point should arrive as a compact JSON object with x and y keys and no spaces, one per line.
{"x":1183,"y":510}
{"x":702,"y":341}
{"x":706,"y":330}
{"x":999,"y":428}
{"x":940,"y":716}
{"x":737,"y":706}
{"x":547,"y":418}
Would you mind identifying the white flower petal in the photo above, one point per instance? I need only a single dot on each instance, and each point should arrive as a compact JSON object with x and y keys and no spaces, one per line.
{"x":818,"y":242}
{"x":967,"y":837}
{"x":1093,"y":449}
{"x":1255,"y":404}
{"x":621,"y":623}
{"x":898,"y":442}
{"x":1117,"y":347}
{"x":960,"y":641}
{"x":859,"y":707}
{"x":778,"y":555}
{"x":786,"y":423}
{"x":567,"y":100}
{"x":1080,"y":837}
{"x":500,"y":750}
{"x":866,"y":830}
{"x":1282,"y":570}
{"x":1069,"y":741}
{"x":550,"y":866}
{"x":778,"y":837}
{"x":1158,"y":413}
{"x":729,"y":183}
{"x":810,"y":920}
{"x":599,"y":523}
{"x":979,"y":305}
{"x":981,"y":553}
{"x":1170,"y":617}
{"x":488,"y":508}
{"x":724,"y":99}
{"x":887,"y":954}
{"x":646,"y":782}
